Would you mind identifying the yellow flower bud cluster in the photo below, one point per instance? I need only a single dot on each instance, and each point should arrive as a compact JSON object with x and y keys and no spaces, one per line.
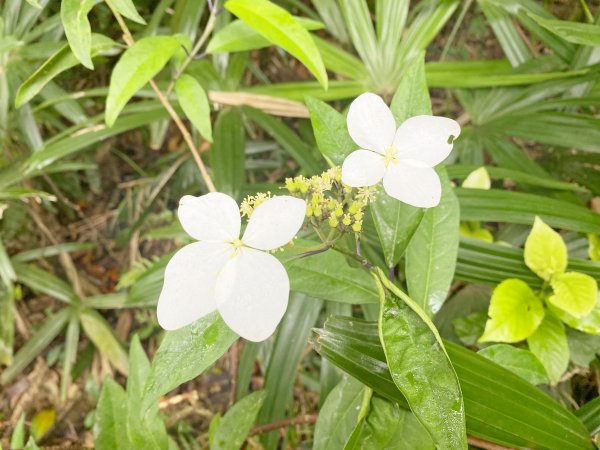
{"x":250,"y":203}
{"x":330,"y":202}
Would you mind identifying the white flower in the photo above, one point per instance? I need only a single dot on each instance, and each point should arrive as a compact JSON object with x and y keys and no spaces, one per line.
{"x":404,"y":158}
{"x":249,"y":287}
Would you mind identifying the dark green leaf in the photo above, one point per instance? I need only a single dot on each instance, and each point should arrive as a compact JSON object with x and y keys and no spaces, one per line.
{"x":235,"y":425}
{"x":432,"y":251}
{"x":186,"y":353}
{"x":331,"y":132}
{"x":228,"y":155}
{"x":420,"y":367}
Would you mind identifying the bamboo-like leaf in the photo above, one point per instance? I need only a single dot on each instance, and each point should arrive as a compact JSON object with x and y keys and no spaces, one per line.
{"x":77,"y":28}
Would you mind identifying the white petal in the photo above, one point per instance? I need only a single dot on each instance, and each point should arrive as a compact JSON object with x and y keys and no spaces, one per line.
{"x":210,"y":217}
{"x":188,"y":289}
{"x":414,"y":184}
{"x":252,"y":294}
{"x":363,"y":168}
{"x":275,"y":222}
{"x":371,"y":123}
{"x":425,"y":139}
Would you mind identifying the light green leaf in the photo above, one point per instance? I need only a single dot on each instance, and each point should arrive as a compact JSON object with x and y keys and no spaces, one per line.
{"x":186,"y":353}
{"x":578,"y":33}
{"x":279,"y":27}
{"x":420,"y":367}
{"x":432,"y":251}
{"x":17,"y":440}
{"x":194,"y":102}
{"x":110,"y":427}
{"x":127,"y":9}
{"x":138,"y":65}
{"x":31,"y":444}
{"x":549,"y":344}
{"x":575,"y":293}
{"x":518,"y":360}
{"x":338,"y":415}
{"x":594,"y":246}
{"x":103,"y":337}
{"x":588,"y":324}
{"x":545,"y":251}
{"x":238,"y":36}
{"x":7,"y":331}
{"x":73,"y":14}
{"x":331,"y":132}
{"x":145,"y":428}
{"x":478,"y":179}
{"x":236,"y":424}
{"x":515,"y":312}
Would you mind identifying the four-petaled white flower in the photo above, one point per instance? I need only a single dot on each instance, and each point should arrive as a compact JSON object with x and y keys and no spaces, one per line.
{"x":404,"y":158}
{"x":249,"y":287}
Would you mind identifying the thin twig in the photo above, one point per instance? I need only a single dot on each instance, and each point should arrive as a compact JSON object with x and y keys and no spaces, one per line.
{"x":485,"y":444}
{"x":187,"y":137}
{"x":300,"y":420}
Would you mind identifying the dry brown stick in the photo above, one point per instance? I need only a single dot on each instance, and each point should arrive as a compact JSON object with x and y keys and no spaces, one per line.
{"x":485,"y":444}
{"x":300,"y":420}
{"x":187,"y":137}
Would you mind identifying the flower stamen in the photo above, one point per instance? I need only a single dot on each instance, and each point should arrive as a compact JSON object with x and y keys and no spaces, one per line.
{"x":391,"y":156}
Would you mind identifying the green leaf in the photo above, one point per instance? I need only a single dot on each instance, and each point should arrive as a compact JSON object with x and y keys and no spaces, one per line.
{"x":500,"y":406}
{"x":36,"y":344}
{"x":127,"y":9}
{"x":331,"y":132}
{"x":145,"y":428}
{"x":238,"y":36}
{"x":574,"y":292}
{"x":40,"y":280}
{"x":73,"y":14}
{"x":412,"y":96}
{"x":578,"y":33}
{"x":420,"y":367}
{"x":360,"y":28}
{"x":31,"y":445}
{"x":545,"y":251}
{"x":17,"y":440}
{"x":286,"y":355}
{"x":395,"y":221}
{"x":496,"y":205}
{"x":338,"y":415}
{"x":228,"y":153}
{"x":518,"y":360}
{"x":59,"y":62}
{"x":136,"y":67}
{"x":432,"y":251}
{"x":549,"y":344}
{"x":328,"y":276}
{"x":583,"y":348}
{"x":515,"y":313}
{"x":590,"y":415}
{"x":390,"y":427}
{"x":110,"y":426}
{"x":236,"y":424}
{"x":105,"y":340}
{"x":7,"y":331}
{"x":588,"y":324}
{"x":279,"y":27}
{"x":290,"y":142}
{"x":194,"y":102}
{"x":186,"y":353}
{"x":478,"y":179}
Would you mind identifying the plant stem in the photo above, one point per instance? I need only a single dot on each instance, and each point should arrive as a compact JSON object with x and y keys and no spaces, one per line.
{"x":187,"y":137}
{"x":210,"y":25}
